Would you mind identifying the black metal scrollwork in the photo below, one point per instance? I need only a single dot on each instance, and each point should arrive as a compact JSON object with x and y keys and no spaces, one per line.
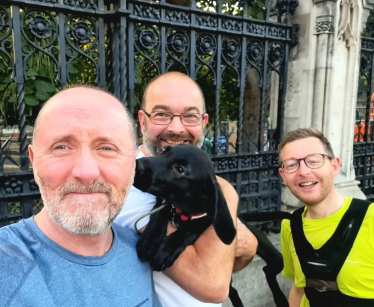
{"x":179,"y":42}
{"x":40,"y":27}
{"x":179,"y":17}
{"x":366,"y":63}
{"x":206,"y":45}
{"x":84,"y":4}
{"x":276,"y":54}
{"x":206,"y":21}
{"x":46,"y":1}
{"x":256,"y":28}
{"x":147,"y":50}
{"x":287,"y":6}
{"x":82,"y":42}
{"x":81,"y":33}
{"x":366,"y":44}
{"x":147,"y":12}
{"x":177,"y":47}
{"x":147,"y":39}
{"x":255,"y":52}
{"x":231,"y":49}
{"x":5,"y":36}
{"x":2,"y":22}
{"x":232,"y":25}
{"x":277,"y":32}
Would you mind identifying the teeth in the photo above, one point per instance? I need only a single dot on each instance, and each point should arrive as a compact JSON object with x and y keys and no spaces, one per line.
{"x":306,"y":184}
{"x":174,"y":142}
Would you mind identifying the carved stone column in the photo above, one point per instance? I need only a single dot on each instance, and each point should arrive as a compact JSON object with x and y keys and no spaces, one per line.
{"x":324,"y":32}
{"x":323,"y":74}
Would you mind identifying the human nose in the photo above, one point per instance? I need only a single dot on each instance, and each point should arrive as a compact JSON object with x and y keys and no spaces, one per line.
{"x":176,"y":125}
{"x":86,"y":168}
{"x":303,"y":168}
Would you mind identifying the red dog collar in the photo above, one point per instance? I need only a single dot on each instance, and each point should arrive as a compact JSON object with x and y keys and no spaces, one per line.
{"x":185,"y":218}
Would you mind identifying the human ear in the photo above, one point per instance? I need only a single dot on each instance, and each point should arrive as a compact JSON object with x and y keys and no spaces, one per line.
{"x":32,"y":159}
{"x":205,"y":119}
{"x":141,"y":117}
{"x":282,"y":175}
{"x":335,"y":163}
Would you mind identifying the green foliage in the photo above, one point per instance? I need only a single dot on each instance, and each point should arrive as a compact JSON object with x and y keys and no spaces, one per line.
{"x":8,"y":99}
{"x":255,"y":8}
{"x":369,"y":29}
{"x":41,"y":82}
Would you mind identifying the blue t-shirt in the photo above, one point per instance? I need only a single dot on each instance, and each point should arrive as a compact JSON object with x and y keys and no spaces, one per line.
{"x":35,"y":271}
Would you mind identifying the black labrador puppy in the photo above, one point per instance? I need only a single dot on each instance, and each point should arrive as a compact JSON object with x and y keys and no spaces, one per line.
{"x":183,"y":180}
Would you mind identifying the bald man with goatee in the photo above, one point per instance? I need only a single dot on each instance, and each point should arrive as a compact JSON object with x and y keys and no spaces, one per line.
{"x":70,"y":254}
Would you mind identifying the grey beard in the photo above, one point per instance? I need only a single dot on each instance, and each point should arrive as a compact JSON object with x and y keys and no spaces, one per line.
{"x":154,"y":147}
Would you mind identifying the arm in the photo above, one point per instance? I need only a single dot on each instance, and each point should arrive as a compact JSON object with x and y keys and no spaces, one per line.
{"x":296,"y":294}
{"x":246,"y":246}
{"x":208,"y":258}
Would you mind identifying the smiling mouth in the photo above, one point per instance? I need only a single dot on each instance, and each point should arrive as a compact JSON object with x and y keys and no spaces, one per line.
{"x":174,"y":143}
{"x":308,"y":184}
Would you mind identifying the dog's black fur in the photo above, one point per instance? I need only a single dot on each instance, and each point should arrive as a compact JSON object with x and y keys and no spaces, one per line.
{"x":183,"y":177}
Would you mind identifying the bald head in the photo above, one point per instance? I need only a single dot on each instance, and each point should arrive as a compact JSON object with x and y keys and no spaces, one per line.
{"x":83,"y":157}
{"x":161,"y":84}
{"x":84,"y":97}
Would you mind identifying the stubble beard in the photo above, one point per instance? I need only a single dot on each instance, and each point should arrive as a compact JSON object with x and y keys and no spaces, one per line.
{"x":154,"y":147}
{"x":87,"y":216}
{"x":325,"y":190}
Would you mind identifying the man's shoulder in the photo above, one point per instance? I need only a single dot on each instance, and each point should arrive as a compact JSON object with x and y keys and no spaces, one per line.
{"x":125,"y":235}
{"x":370,"y":208}
{"x":370,"y":212}
{"x":17,"y":254}
{"x":17,"y":241}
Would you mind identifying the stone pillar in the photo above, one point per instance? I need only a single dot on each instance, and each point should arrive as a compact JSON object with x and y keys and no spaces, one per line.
{"x":323,"y":79}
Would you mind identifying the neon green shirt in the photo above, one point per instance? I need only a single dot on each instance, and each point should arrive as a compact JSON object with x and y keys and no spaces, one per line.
{"x":356,"y":277}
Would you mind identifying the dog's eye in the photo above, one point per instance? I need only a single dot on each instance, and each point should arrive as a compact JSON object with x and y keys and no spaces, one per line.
{"x":180,"y":169}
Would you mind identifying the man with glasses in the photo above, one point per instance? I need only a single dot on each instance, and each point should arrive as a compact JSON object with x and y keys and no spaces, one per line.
{"x":173,"y":113}
{"x":318,"y":241}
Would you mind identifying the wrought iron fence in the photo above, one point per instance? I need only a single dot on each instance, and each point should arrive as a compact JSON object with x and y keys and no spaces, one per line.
{"x":363,"y":148}
{"x":236,"y":50}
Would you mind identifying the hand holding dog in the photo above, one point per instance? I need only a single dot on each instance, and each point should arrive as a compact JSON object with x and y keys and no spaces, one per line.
{"x":246,"y":246}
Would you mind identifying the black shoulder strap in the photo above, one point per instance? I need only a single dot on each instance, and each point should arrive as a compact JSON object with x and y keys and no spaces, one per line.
{"x":345,"y":234}
{"x":302,"y":246}
{"x":339,"y":245}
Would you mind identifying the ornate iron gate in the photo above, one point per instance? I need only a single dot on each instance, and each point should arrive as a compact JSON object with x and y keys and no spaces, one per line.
{"x":237,"y":51}
{"x":363,"y":148}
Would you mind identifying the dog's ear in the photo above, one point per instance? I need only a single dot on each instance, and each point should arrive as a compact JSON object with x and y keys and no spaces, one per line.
{"x":221,"y":217}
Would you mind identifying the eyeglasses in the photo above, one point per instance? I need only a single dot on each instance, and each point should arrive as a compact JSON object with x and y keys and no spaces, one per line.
{"x":165,"y":118}
{"x":312,"y":161}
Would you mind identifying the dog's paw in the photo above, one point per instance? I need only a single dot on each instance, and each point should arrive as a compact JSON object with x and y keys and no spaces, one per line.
{"x":162,"y":260}
{"x":146,"y":250}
